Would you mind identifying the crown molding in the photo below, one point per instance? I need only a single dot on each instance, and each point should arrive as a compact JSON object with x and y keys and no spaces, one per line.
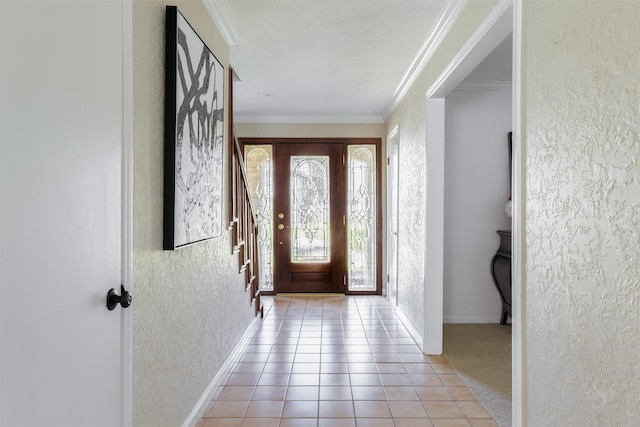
{"x":248,"y":118}
{"x":222,"y":21}
{"x":444,"y":24}
{"x":497,"y":25}
{"x":484,"y":85}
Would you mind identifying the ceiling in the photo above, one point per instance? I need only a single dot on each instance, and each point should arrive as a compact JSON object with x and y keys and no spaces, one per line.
{"x":329,"y":61}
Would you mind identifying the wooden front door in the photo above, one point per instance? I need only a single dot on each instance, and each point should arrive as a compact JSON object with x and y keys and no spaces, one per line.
{"x":309,"y":234}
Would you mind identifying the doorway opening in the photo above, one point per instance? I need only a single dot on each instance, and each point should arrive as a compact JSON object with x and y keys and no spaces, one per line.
{"x":317,"y":203}
{"x":393,"y":162}
{"x":502,"y":20}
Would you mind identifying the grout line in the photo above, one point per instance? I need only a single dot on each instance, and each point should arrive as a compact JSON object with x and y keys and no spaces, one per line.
{"x":378,"y":328}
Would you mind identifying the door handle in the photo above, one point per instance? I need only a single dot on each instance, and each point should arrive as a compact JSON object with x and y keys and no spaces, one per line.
{"x":113,"y":299}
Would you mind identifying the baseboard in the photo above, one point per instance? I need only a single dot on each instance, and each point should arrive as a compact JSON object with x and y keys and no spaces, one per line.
{"x":202,"y":404}
{"x":417,"y":336}
{"x":472,"y":319}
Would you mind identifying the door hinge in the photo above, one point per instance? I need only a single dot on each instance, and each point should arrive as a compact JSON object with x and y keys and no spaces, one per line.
{"x":344,"y":280}
{"x":388,"y":161}
{"x":344,"y":220}
{"x":343,"y":159}
{"x":388,"y":278}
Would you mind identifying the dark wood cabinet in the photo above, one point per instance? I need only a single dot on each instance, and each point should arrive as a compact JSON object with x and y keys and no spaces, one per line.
{"x":501,"y":272}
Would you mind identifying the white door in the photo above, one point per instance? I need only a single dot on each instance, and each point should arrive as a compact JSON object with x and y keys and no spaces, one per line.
{"x":392,"y":215}
{"x":61,"y":127}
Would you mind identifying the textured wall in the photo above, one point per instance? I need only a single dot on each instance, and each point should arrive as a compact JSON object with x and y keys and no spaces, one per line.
{"x":311,"y":130}
{"x":190,"y":306}
{"x":410,"y":115}
{"x":581,"y":83}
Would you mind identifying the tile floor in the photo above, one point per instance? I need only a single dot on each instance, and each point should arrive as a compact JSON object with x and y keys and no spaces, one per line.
{"x":339,"y":361}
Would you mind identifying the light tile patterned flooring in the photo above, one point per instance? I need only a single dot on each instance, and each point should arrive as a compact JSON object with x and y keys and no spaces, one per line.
{"x":339,"y":361}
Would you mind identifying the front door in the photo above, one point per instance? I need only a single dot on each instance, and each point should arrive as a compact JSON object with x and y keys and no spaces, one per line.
{"x":310,"y":237}
{"x":61,"y":123}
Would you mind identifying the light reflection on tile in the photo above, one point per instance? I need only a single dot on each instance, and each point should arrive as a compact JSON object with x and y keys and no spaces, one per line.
{"x":334,"y":361}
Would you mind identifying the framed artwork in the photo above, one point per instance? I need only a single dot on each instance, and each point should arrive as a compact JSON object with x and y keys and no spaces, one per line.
{"x":510,"y":149}
{"x":193,"y":136}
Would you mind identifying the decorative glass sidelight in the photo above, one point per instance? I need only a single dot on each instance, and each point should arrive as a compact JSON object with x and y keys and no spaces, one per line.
{"x":310,"y":237}
{"x":361,"y":217}
{"x":259,"y":168}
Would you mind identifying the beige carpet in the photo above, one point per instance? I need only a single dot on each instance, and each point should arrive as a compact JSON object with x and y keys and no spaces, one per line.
{"x":481,"y":355}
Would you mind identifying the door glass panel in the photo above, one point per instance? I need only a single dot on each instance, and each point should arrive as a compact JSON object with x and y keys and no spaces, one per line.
{"x":259,"y":167}
{"x":310,"y":239}
{"x":361,"y":214}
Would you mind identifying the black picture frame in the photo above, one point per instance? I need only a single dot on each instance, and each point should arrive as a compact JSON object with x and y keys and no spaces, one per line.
{"x":510,"y":149}
{"x":193,"y":136}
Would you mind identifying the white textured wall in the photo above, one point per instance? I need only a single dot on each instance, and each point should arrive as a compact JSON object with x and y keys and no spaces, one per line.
{"x":311,"y":130}
{"x":190,"y":306}
{"x":581,"y":84}
{"x":476,"y":190}
{"x":410,"y":115}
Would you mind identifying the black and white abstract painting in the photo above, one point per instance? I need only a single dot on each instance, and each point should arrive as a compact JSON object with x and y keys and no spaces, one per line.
{"x":194,"y":136}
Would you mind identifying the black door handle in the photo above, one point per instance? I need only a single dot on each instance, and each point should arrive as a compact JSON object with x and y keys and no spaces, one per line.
{"x":113,"y":299}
